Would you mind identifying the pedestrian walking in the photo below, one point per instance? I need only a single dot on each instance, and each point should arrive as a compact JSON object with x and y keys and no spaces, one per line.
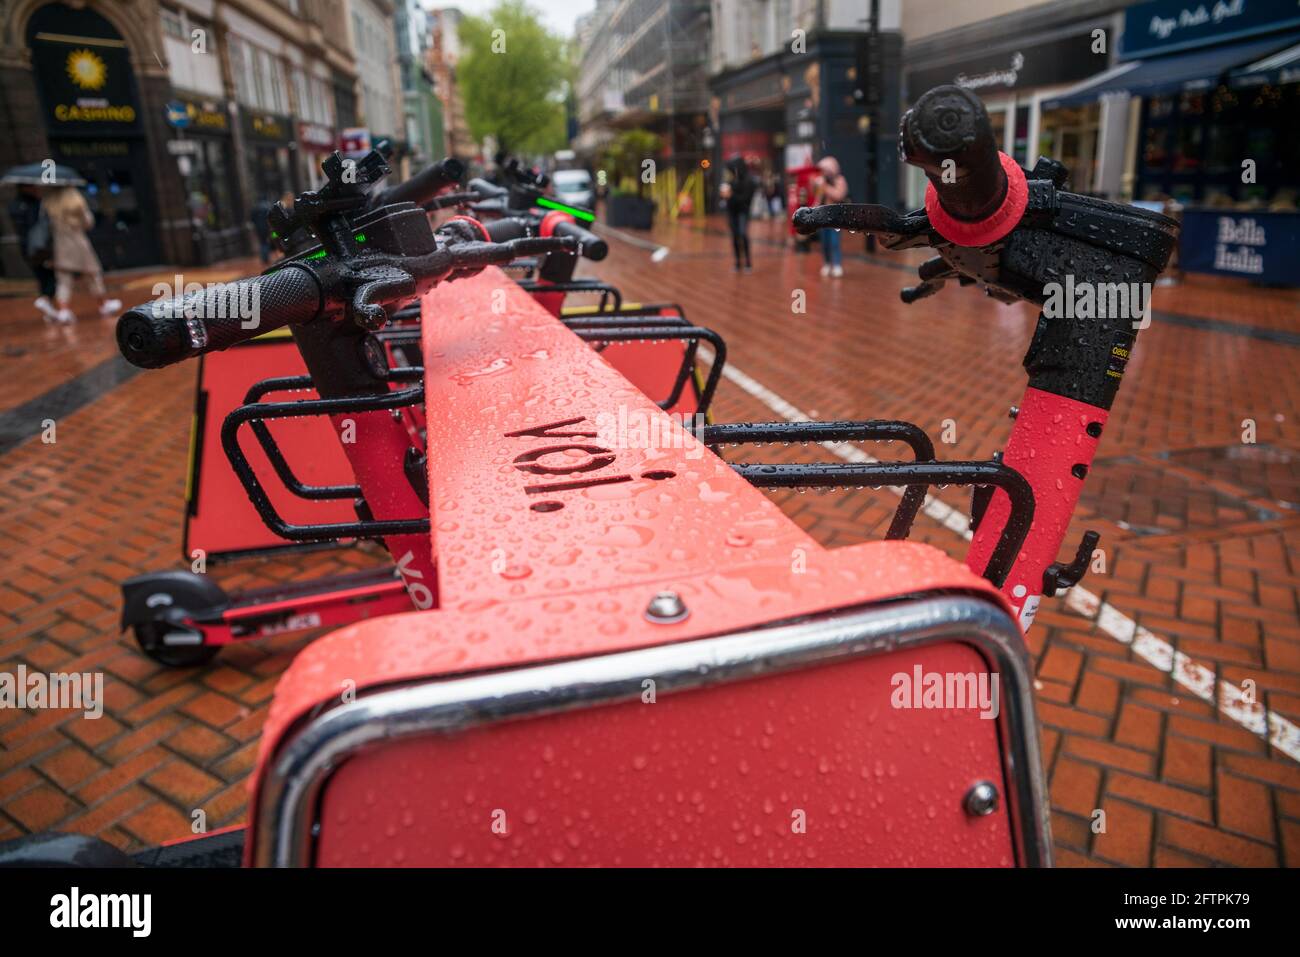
{"x":775,"y":203}
{"x":35,"y":242}
{"x":258,"y":219}
{"x":830,"y":187}
{"x":73,"y":256}
{"x":738,"y":190}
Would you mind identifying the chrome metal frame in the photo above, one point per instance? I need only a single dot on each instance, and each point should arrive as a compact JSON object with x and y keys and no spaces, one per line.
{"x":289,"y":801}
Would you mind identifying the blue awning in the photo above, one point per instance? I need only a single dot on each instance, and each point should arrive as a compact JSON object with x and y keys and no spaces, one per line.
{"x":1176,"y":73}
{"x":1277,"y":68}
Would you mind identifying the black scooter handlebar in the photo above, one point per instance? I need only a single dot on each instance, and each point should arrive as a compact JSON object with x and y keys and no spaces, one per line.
{"x":165,"y":331}
{"x":947,"y":134}
{"x":423,"y":186}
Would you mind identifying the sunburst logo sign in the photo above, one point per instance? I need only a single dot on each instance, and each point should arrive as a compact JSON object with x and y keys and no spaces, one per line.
{"x":86,"y":69}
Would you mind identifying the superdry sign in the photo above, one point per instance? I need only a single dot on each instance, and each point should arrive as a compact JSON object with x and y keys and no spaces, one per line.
{"x":85,"y":84}
{"x":1063,"y":60}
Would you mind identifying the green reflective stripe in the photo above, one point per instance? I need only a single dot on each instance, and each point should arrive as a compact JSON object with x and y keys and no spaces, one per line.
{"x":562,"y":207}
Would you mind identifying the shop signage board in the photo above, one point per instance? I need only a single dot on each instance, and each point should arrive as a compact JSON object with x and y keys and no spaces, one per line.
{"x":177,"y":116}
{"x":1064,"y":60}
{"x":1161,"y":26}
{"x":198,"y":116}
{"x":268,"y":126}
{"x":85,"y":85}
{"x":1255,"y":244}
{"x":316,"y":136}
{"x":354,"y":139}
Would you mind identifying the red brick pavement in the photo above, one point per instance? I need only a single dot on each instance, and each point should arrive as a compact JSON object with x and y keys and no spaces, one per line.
{"x":1201,"y":536}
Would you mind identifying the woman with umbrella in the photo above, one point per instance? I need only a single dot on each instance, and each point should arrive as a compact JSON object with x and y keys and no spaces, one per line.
{"x":57,"y":239}
{"x":33,"y":227}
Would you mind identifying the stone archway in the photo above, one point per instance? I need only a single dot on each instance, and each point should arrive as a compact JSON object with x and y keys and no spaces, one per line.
{"x":135,"y":26}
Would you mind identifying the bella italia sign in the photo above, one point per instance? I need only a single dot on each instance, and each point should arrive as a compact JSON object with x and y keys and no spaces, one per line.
{"x":1257,"y":245}
{"x":1161,"y":26}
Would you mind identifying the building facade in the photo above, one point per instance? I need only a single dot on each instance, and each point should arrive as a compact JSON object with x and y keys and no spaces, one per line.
{"x":645,"y":63}
{"x":180,"y":114}
{"x":1150,"y":102}
{"x":1019,"y":55}
{"x":441,"y":58}
{"x":421,"y":109}
{"x":795,"y":80}
{"x":379,"y":87}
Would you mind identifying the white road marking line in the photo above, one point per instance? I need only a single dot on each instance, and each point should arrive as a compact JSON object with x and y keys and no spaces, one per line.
{"x":659,"y":253}
{"x":1280,"y":732}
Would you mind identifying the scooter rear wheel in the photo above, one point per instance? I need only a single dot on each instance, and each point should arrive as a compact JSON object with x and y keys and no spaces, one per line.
{"x":150,"y":634}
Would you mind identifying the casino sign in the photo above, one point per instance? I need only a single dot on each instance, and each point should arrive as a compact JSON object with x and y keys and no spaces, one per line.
{"x":85,"y":85}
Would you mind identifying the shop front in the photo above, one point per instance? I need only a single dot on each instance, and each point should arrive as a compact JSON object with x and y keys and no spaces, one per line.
{"x":315,"y":143}
{"x":787,"y":110}
{"x":750,"y":116}
{"x":203,"y":151}
{"x":1015,"y":81}
{"x":92,"y":114}
{"x":270,"y":156}
{"x":1213,"y":95}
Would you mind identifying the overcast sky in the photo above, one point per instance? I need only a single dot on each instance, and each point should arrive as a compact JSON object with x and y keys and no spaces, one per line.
{"x":559,"y":15}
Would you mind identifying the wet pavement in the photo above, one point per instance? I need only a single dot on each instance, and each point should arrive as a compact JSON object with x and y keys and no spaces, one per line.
{"x":1200,"y":530}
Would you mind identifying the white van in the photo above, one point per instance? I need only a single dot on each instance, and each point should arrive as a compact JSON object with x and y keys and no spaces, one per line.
{"x":573,"y":186}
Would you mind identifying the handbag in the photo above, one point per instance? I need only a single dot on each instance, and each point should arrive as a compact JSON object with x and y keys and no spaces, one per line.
{"x":40,"y":239}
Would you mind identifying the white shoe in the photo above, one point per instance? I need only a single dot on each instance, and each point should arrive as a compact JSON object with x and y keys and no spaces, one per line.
{"x":837,"y":271}
{"x":65,"y":316}
{"x":826,"y":270}
{"x":46,"y":308}
{"x":110,"y":306}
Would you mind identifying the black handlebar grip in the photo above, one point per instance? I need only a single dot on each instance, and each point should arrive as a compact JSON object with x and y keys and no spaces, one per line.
{"x":507,"y":228}
{"x":593,"y":247}
{"x":165,"y":331}
{"x":949,"y":123}
{"x":486,"y":189}
{"x":423,"y":186}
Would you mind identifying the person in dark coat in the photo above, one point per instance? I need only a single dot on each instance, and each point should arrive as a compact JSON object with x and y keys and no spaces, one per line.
{"x":25,"y":212}
{"x":738,"y":190}
{"x":257,"y":218}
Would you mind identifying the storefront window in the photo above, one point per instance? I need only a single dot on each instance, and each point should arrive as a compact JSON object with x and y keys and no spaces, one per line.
{"x":1160,"y":108}
{"x":1155,"y":154}
{"x":1195,"y":146}
{"x":1020,"y":145}
{"x":1191,"y":104}
{"x":998,"y":120}
{"x":1187,"y":153}
{"x":1069,"y":135}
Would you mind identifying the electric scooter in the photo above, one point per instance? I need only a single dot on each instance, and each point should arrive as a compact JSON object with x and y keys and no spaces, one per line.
{"x":183,"y":618}
{"x":629,"y":655}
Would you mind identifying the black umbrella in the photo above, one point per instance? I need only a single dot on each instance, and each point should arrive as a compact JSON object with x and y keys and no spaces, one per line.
{"x":34,"y":174}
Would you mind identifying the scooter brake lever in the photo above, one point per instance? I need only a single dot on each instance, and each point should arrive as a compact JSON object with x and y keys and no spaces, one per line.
{"x":894,"y":229}
{"x":379,"y":285}
{"x":466,"y":259}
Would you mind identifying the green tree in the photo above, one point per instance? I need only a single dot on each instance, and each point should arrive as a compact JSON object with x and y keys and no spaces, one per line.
{"x":514,"y":74}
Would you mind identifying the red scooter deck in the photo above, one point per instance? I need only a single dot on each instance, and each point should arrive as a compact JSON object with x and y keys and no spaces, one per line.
{"x":762,"y":726}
